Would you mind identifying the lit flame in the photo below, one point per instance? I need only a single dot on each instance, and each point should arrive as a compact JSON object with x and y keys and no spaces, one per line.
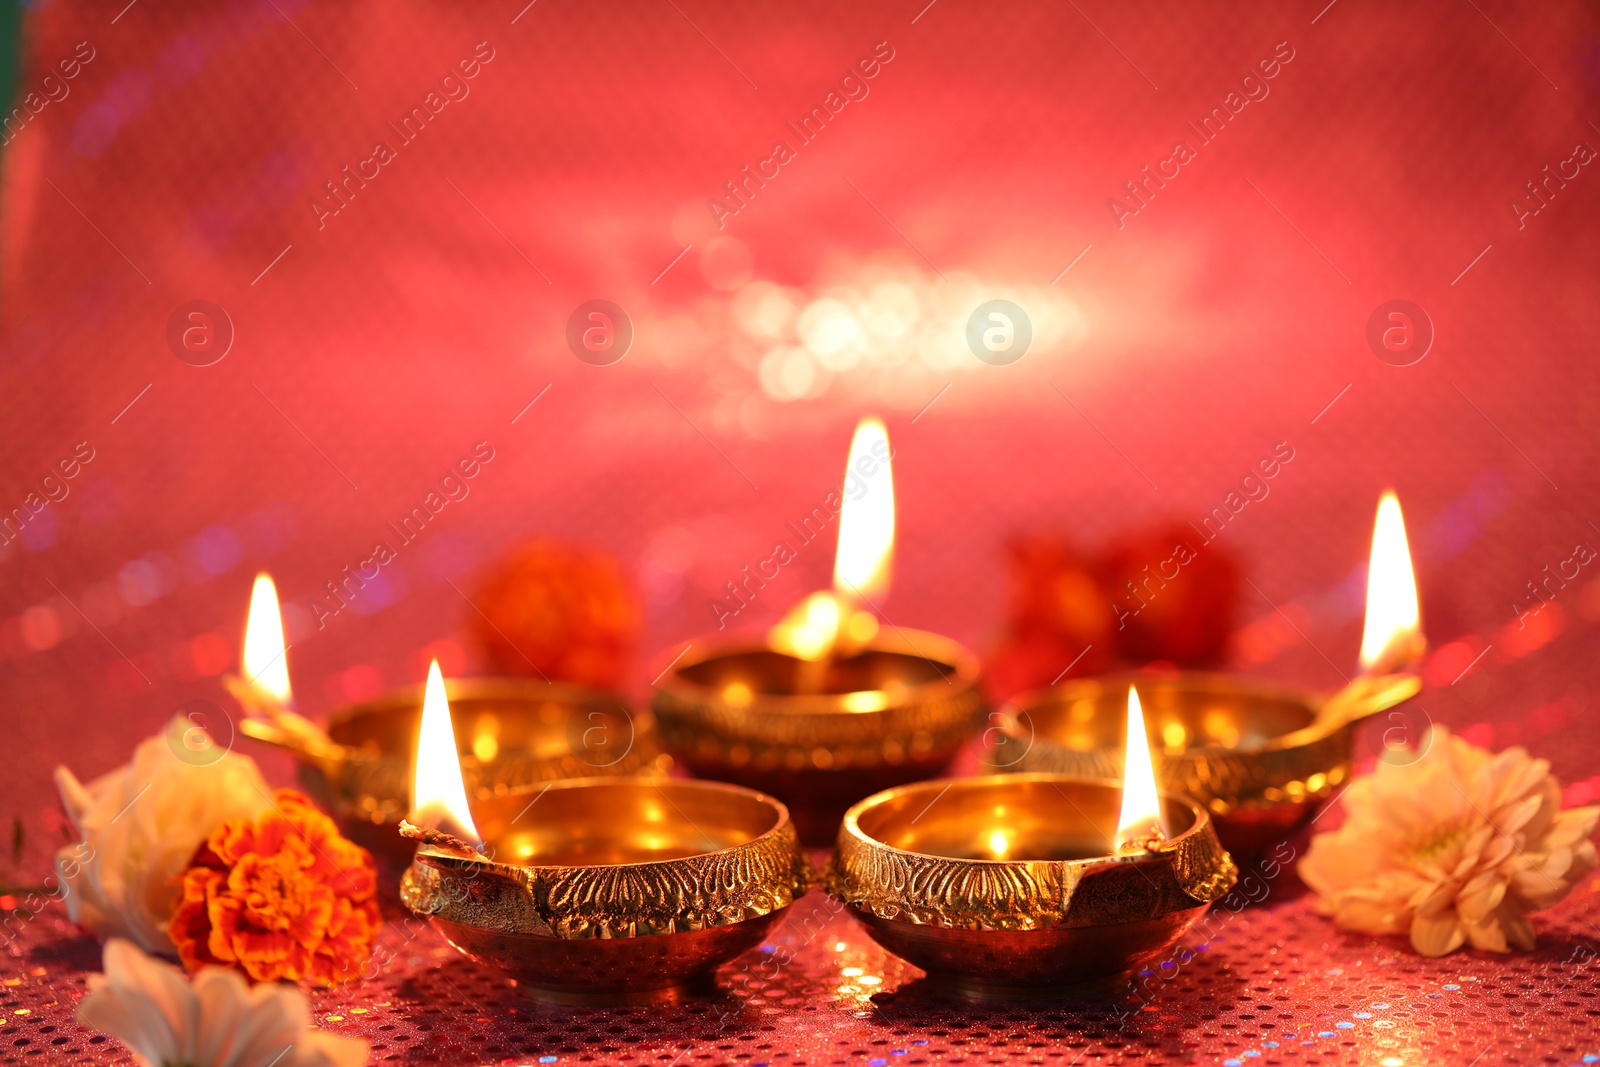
{"x":438,"y":794}
{"x":1391,"y":636}
{"x":266,"y":667}
{"x":866,"y":518}
{"x":861,"y":564}
{"x":1141,"y":804}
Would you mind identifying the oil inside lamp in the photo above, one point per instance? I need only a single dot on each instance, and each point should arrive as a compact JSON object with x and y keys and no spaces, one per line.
{"x":1391,"y":638}
{"x":828,"y":622}
{"x":439,"y":813}
{"x":1140,"y":825}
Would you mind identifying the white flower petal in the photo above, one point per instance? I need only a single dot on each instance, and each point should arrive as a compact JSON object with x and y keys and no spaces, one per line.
{"x":217,"y":1022}
{"x":1514,"y":817}
{"x":1518,"y":930}
{"x":1437,"y":936}
{"x":1371,"y":916}
{"x":1499,"y":849}
{"x":134,"y":1005}
{"x":279,"y":1014}
{"x":1487,"y":935}
{"x":1524,"y":778}
{"x":1532,"y":890}
{"x":1549,"y":793}
{"x":1458,"y":846}
{"x":141,"y":825}
{"x":1481,"y":896}
{"x":132,"y":972}
{"x":223,"y":998}
{"x":74,"y":796}
{"x":1430,"y":900}
{"x":1572,"y":826}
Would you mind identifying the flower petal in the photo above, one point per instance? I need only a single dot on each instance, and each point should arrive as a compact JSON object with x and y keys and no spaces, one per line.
{"x":1518,"y":930}
{"x":1432,"y":900}
{"x":1371,"y":915}
{"x":223,"y":1001}
{"x":140,"y":1001}
{"x":1487,"y":935}
{"x":74,"y":796}
{"x":1572,"y":826}
{"x":1481,"y":896}
{"x":278,"y":1018}
{"x":1437,"y":936}
{"x":1514,"y":817}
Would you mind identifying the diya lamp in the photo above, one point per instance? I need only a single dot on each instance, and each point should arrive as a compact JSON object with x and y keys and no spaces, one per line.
{"x":1031,"y":885}
{"x":510,"y":733}
{"x":831,"y":704}
{"x":595,"y":890}
{"x":1261,"y":758}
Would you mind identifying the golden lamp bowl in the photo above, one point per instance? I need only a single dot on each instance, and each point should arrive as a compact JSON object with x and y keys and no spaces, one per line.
{"x":1007,"y":887}
{"x":511,"y":734}
{"x":618,"y":890}
{"x":896,"y":710}
{"x":1260,"y":758}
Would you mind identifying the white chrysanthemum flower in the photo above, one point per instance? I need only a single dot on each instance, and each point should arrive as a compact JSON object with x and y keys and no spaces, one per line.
{"x":140,"y":825}
{"x":1455,"y":848}
{"x":218,"y":1021}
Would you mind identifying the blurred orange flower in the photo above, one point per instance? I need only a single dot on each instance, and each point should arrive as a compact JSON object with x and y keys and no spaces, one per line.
{"x":279,"y":896}
{"x":562,"y":611}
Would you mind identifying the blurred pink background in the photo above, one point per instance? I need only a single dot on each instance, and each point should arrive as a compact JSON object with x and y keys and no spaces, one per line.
{"x":375,"y":349}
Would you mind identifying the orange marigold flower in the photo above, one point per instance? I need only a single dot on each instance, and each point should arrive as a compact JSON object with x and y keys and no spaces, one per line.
{"x":280,"y":896}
